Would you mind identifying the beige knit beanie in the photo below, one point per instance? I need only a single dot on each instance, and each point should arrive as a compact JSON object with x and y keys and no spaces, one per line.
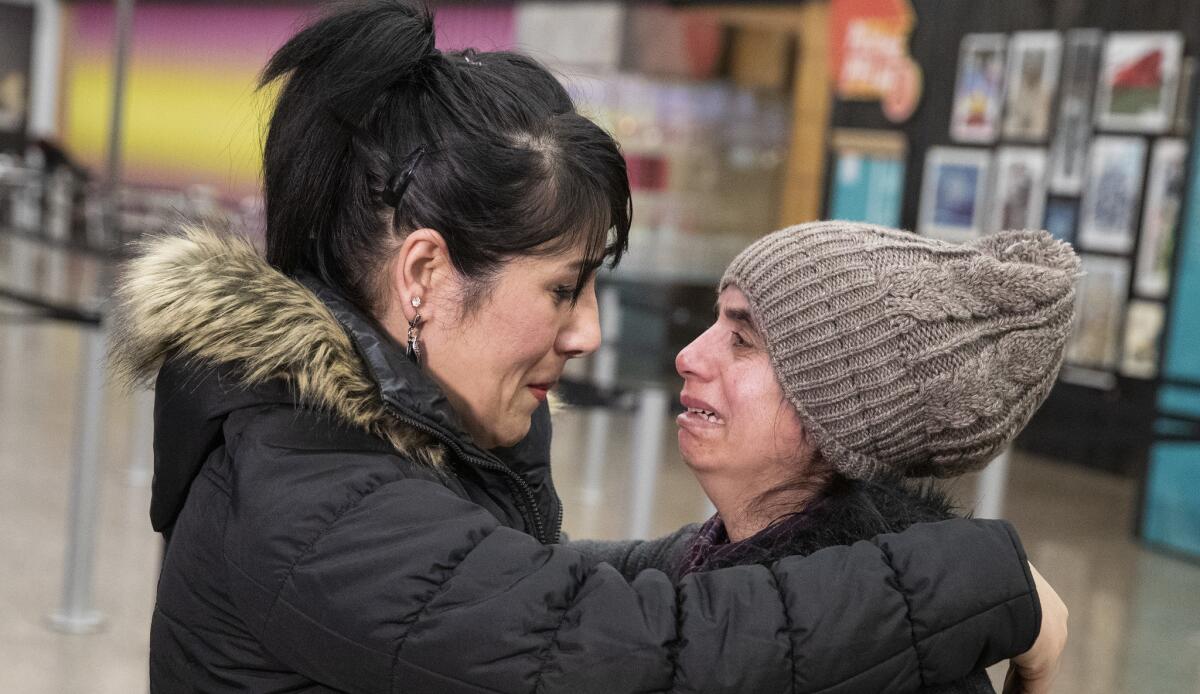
{"x":907,"y":354}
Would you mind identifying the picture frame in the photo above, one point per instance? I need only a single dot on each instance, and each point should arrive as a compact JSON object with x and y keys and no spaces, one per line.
{"x":1144,"y":322}
{"x":1073,"y":122}
{"x":1031,"y":83}
{"x":953,"y":193}
{"x":1100,"y":300}
{"x":1160,"y":217}
{"x":1139,"y":81}
{"x":1062,"y":218}
{"x":1018,"y":189}
{"x":1182,"y":123}
{"x":1112,"y":196}
{"x":979,"y":89}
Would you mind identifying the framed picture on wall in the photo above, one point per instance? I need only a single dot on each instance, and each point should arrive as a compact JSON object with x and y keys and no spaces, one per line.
{"x":1112,"y":195}
{"x":1182,"y":122}
{"x":1073,"y":127}
{"x":1018,"y":189}
{"x":1099,"y":307}
{"x":953,"y":193}
{"x":1032,"y":82}
{"x":1160,"y":218}
{"x":1062,"y":216}
{"x":1143,"y":332}
{"x":1138,"y":81}
{"x":979,"y":90}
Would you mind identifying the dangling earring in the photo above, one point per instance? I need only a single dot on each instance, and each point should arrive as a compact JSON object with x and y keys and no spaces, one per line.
{"x":414,"y":332}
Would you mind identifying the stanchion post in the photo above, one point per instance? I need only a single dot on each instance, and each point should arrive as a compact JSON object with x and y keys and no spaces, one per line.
{"x":75,"y":613}
{"x":653,"y":407}
{"x":141,"y":462}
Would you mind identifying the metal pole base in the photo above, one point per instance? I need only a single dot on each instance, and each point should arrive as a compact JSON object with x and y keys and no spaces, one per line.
{"x":992,"y":484}
{"x":88,"y":622}
{"x":653,"y":407}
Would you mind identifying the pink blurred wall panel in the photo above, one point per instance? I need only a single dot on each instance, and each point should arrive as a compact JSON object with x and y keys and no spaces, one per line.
{"x":241,"y":35}
{"x":487,"y":28}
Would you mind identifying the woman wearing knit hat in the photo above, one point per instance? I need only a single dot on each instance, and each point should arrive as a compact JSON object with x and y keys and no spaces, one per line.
{"x":845,"y":358}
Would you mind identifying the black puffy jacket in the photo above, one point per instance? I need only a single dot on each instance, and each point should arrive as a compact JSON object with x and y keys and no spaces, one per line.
{"x":849,"y":511}
{"x":331,"y":528}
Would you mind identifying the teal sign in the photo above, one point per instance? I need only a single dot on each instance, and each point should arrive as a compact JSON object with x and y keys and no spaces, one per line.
{"x":867,"y":188}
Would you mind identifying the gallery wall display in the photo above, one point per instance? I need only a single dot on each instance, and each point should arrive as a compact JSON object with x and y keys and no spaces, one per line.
{"x":1112,"y":194}
{"x":1032,"y":82}
{"x":1062,"y":127}
{"x":1139,"y":78}
{"x":979,"y":92}
{"x":953,"y":195}
{"x":1073,"y":128}
{"x":1018,"y":190}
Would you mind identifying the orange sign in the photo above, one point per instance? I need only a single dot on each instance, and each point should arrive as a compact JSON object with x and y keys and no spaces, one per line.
{"x":870,"y":54}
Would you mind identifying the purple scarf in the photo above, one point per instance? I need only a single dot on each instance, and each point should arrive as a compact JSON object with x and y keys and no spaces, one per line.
{"x":711,"y":546}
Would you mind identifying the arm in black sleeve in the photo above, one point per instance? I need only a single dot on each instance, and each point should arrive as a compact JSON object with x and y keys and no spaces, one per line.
{"x":405,"y":586}
{"x":631,"y":557}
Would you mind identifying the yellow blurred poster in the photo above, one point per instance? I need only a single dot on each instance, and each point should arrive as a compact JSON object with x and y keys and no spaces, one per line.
{"x":191,"y":112}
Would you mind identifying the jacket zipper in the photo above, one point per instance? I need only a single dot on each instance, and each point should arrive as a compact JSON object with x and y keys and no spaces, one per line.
{"x":528,"y":506}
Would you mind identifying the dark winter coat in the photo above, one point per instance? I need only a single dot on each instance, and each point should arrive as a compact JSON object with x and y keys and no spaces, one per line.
{"x":332,"y":529}
{"x":849,"y":511}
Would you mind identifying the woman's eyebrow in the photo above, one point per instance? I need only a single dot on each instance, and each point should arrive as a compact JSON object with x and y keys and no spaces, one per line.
{"x":739,"y":315}
{"x":585,"y":265}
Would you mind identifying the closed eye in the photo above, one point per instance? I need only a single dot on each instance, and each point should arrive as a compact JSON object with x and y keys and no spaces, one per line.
{"x":564,"y":293}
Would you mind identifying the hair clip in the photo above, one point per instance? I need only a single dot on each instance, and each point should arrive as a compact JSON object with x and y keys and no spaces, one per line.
{"x":398,"y":183}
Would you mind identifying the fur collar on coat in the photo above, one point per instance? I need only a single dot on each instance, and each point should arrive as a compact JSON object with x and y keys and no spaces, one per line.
{"x":213,"y":300}
{"x":850,"y":511}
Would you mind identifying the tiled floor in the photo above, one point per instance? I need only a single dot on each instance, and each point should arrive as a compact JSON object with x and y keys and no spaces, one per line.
{"x":1135,"y":614}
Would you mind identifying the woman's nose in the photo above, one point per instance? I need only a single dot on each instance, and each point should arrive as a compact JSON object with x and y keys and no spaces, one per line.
{"x":582,"y":335}
{"x":687,"y":361}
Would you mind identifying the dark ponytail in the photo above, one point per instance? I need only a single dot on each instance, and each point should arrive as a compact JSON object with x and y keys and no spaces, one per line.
{"x":505,"y":167}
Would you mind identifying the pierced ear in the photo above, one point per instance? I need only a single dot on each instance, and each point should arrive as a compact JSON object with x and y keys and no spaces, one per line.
{"x":420,"y":270}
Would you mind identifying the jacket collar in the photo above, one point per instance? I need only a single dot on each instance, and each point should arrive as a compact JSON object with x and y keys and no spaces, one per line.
{"x":399,"y":382}
{"x":846,"y":512}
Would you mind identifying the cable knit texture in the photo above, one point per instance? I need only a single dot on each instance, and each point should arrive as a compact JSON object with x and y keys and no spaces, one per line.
{"x":905,"y":353}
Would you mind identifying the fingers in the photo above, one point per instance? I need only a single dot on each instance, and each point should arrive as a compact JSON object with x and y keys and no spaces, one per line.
{"x":1033,"y":672}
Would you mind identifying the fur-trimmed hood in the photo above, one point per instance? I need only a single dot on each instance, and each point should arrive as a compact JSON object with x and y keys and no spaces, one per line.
{"x":213,"y":299}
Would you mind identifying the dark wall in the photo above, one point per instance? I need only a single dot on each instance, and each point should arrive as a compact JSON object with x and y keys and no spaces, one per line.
{"x":16,"y":45}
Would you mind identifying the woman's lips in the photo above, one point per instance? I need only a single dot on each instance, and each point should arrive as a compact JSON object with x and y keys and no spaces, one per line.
{"x":540,"y":390}
{"x":699,"y":415}
{"x":693,"y":419}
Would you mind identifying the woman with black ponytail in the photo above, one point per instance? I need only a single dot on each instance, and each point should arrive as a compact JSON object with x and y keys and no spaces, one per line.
{"x":352,"y":436}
